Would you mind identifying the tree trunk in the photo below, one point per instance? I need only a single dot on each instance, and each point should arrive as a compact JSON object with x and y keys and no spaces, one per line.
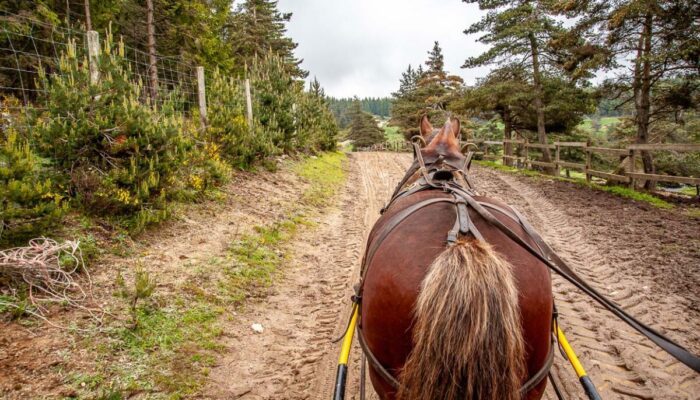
{"x":507,"y":135}
{"x":88,"y":19}
{"x":152,"y":59}
{"x":539,"y":105}
{"x":642,"y":93}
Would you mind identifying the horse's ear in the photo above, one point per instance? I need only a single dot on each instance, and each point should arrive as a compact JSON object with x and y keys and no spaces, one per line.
{"x":425,"y":127}
{"x":455,"y":125}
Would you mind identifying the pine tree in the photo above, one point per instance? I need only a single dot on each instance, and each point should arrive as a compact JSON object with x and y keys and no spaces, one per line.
{"x":240,"y":145}
{"x":363,"y":127}
{"x":518,"y":32}
{"x":661,"y":40}
{"x":258,"y":28}
{"x":315,"y":122}
{"x":119,"y":155}
{"x":29,"y":201}
{"x":275,"y":95}
{"x":424,"y":92}
{"x":436,"y":61}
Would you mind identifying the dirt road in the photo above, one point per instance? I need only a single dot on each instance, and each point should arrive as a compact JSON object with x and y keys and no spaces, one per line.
{"x":294,"y":359}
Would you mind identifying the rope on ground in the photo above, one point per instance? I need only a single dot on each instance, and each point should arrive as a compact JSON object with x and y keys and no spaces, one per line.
{"x":49,"y":270}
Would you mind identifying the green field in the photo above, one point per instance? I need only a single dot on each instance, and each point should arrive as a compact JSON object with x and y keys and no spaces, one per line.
{"x":606,"y":123}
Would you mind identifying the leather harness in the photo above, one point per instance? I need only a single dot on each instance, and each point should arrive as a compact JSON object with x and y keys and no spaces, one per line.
{"x":463,"y":198}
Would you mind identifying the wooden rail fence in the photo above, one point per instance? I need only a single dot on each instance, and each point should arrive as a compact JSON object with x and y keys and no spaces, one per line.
{"x":388,"y":146}
{"x":628,"y":156}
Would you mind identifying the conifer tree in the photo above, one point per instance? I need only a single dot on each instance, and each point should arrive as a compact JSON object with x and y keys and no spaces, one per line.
{"x":422,"y":92}
{"x":661,"y":39}
{"x":119,"y":155}
{"x":517,"y":32}
{"x":258,"y":27}
{"x":363,"y":127}
{"x":29,"y":200}
{"x":275,"y":93}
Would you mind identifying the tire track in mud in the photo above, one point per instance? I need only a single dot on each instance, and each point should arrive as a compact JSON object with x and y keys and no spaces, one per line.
{"x":621,"y":362}
{"x":294,"y":358}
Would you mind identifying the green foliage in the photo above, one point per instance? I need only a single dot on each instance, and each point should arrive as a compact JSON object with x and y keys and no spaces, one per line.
{"x":29,"y":200}
{"x":380,"y":106}
{"x":227,"y":127}
{"x":275,"y":94}
{"x":392,"y":135}
{"x":121,"y":155}
{"x":316,"y":127}
{"x":363,"y":127}
{"x":424,"y":92}
{"x":258,"y":28}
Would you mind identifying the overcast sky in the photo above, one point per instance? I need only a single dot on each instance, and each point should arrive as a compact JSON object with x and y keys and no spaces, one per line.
{"x":360,"y":47}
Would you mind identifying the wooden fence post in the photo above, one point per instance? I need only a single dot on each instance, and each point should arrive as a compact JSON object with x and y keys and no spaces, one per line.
{"x":633,"y":167}
{"x":588,"y":161}
{"x":556,"y":159}
{"x":202,"y":97}
{"x":249,"y":104}
{"x":526,"y":152}
{"x":93,"y":48}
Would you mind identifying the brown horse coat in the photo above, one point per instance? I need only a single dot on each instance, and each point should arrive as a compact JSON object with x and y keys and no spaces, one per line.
{"x":393,"y":279}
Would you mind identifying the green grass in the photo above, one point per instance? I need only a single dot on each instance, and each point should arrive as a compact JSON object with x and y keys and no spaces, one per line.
{"x":173,"y":341}
{"x":325,"y":175}
{"x":605,"y":122}
{"x":694,"y":213}
{"x":633,"y":194}
{"x":579,"y":179}
{"x":689,"y":191}
{"x":392,"y":135}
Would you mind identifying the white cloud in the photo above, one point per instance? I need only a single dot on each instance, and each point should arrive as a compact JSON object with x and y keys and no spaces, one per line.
{"x":360,"y":47}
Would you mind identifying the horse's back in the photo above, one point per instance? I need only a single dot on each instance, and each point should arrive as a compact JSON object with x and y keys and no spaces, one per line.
{"x":397,"y":267}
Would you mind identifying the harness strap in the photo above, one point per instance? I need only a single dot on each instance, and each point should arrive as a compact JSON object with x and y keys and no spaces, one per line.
{"x":391,"y":225}
{"x":556,"y":264}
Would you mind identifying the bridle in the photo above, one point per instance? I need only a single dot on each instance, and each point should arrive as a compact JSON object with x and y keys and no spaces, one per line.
{"x":438,"y":172}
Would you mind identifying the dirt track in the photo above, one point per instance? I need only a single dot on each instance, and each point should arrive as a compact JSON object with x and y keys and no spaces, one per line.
{"x":645,"y":259}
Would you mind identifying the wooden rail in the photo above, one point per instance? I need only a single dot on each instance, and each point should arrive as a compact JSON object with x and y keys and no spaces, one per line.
{"x":629,"y":154}
{"x":387,"y":146}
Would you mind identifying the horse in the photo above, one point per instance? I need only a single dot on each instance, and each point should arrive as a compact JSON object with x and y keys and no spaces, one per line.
{"x":451,"y":307}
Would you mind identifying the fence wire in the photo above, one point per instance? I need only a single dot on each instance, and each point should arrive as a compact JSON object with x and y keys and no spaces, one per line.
{"x":28,"y":45}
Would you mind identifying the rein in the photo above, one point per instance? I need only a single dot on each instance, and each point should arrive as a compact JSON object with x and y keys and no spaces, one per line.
{"x":463,"y":198}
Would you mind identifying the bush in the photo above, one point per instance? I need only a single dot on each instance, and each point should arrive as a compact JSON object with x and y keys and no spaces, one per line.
{"x":120,"y":155}
{"x":29,"y":201}
{"x":274,"y":98}
{"x":316,"y":126}
{"x":240,"y":145}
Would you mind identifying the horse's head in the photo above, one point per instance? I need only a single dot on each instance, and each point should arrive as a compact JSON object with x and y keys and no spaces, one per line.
{"x":441,"y":144}
{"x":441,"y":154}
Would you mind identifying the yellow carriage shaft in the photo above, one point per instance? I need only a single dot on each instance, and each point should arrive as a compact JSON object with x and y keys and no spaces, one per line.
{"x":342,"y":374}
{"x":586,"y":382}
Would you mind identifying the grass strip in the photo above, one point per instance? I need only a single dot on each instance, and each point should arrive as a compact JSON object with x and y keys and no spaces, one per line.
{"x":612,"y":189}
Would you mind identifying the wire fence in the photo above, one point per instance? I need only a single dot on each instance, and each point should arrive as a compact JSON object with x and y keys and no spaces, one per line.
{"x":28,"y":46}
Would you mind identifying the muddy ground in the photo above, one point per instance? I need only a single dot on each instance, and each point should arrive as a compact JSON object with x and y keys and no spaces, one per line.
{"x":644,"y":258}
